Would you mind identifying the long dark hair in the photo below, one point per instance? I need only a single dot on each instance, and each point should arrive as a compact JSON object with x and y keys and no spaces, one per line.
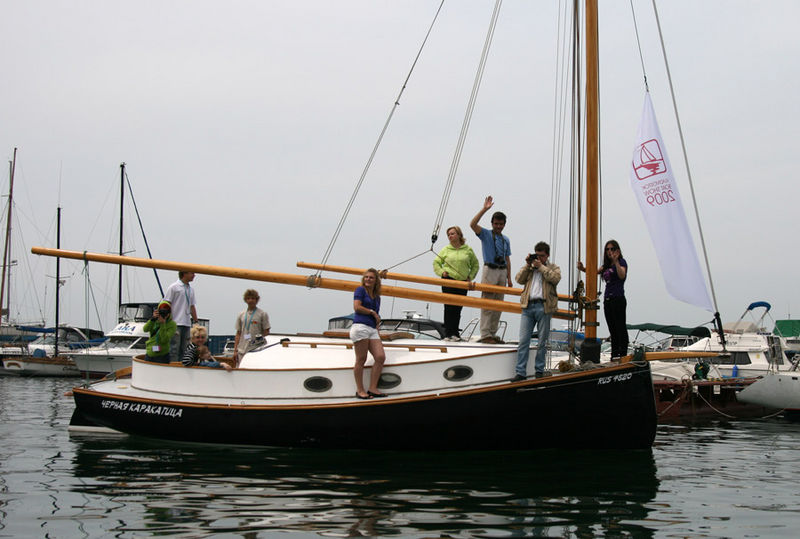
{"x":607,"y":259}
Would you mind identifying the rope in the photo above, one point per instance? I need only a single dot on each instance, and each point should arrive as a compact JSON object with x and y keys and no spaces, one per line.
{"x":361,"y":179}
{"x":91,"y":289}
{"x":412,"y":258}
{"x":639,"y":45}
{"x":687,"y":384}
{"x":465,"y":125}
{"x":144,"y":236}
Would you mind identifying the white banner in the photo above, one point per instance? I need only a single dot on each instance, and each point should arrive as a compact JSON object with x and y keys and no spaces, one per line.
{"x":653,"y":184}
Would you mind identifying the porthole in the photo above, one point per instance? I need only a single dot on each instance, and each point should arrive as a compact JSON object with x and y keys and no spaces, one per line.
{"x":317,"y":384}
{"x":389,"y":380}
{"x":459,"y":373}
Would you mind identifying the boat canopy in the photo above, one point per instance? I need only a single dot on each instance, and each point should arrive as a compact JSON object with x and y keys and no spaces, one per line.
{"x":757,"y":304}
{"x":35,"y":329}
{"x":787,"y":328}
{"x":669,"y":329}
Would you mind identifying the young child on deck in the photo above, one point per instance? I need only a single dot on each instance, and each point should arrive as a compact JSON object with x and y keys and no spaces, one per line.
{"x":206,"y":359}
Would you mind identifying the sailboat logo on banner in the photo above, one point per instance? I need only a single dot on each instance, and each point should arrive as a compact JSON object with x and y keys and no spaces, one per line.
{"x":648,"y":160}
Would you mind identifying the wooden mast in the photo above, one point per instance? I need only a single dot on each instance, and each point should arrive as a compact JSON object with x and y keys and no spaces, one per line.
{"x":591,"y":352}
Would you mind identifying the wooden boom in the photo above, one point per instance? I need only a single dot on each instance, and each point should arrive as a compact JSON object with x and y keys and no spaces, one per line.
{"x":480,"y":287}
{"x":288,"y":278}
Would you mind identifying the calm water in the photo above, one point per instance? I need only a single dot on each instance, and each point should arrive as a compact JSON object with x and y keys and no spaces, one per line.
{"x":720,"y":479}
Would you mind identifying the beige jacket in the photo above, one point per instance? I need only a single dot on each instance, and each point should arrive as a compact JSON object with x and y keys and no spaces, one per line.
{"x":551,"y":275}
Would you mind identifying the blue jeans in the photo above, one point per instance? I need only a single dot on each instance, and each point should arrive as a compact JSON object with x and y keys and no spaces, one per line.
{"x":210,"y":363}
{"x":532,"y":316}
{"x":178,"y":344}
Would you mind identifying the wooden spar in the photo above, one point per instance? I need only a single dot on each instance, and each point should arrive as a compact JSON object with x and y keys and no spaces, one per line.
{"x":494,"y":289}
{"x":480,"y":287}
{"x":288,"y":278}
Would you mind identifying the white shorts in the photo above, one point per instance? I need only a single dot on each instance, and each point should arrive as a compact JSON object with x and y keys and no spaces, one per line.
{"x":359,"y":332}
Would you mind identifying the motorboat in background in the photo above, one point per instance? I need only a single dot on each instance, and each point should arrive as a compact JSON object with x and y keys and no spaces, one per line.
{"x":749,"y":351}
{"x":38,"y":358}
{"x":125,"y":341}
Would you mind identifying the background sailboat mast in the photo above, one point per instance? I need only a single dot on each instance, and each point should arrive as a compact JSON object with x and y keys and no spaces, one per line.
{"x":7,"y":248}
{"x":58,"y":276}
{"x":121,"y":216}
{"x":592,"y":165}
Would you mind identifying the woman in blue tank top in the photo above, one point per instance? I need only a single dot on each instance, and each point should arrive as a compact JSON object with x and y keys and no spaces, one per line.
{"x":364,"y":333}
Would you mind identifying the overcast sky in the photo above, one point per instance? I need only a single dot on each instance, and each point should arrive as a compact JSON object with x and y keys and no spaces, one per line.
{"x":245,"y":126}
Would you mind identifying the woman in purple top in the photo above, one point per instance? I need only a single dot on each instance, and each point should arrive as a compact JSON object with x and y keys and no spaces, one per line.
{"x":614,"y":271}
{"x":364,"y":333}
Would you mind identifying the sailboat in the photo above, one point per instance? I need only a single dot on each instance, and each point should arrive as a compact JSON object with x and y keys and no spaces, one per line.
{"x":13,"y":337}
{"x":127,"y":338}
{"x":42,"y":356}
{"x":300,"y":391}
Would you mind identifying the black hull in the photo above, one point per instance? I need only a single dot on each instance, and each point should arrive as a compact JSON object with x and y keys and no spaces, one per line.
{"x":606,"y":408}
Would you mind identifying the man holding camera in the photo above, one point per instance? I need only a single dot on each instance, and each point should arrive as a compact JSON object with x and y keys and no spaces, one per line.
{"x":161,"y":328}
{"x":496,"y":250}
{"x":539,"y":301}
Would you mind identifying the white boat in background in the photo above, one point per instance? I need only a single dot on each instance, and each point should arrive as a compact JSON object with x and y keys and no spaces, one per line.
{"x":750,"y":350}
{"x":123,"y":343}
{"x":779,"y":390}
{"x":38,"y":358}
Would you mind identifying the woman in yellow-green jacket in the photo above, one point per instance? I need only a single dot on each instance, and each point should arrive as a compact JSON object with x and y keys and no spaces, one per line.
{"x":455,"y":261}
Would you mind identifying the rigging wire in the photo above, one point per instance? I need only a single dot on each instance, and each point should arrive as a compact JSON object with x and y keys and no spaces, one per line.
{"x":639,"y":46}
{"x":451,"y":177}
{"x":686,"y":163}
{"x":144,"y":236}
{"x":90,"y":288}
{"x":559,"y":119}
{"x":363,"y":176}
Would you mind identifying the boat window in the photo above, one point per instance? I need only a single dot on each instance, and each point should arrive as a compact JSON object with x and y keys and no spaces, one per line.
{"x":458,"y":373}
{"x":340,"y":323}
{"x":389,"y":380}
{"x":775,"y":354}
{"x":318,"y":384}
{"x":736,"y":358}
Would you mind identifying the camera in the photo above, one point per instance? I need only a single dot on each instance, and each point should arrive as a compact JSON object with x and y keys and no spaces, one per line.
{"x":163,"y":312}
{"x":531,"y":257}
{"x":499,"y":260}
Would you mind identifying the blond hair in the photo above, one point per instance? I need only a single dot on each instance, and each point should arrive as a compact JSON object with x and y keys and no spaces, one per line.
{"x":458,"y":232}
{"x":196,"y":330}
{"x":376,"y":290}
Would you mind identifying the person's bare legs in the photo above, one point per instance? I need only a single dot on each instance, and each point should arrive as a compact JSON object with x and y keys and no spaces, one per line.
{"x":361,"y":347}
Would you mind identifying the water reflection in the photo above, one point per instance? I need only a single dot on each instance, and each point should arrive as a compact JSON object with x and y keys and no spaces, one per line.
{"x":140,"y":485}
